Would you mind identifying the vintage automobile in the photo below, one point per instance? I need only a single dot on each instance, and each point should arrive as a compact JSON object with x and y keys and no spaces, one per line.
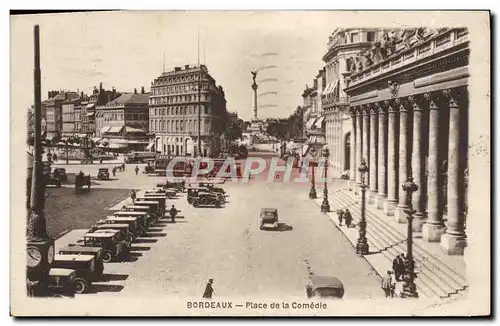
{"x":324,"y":287}
{"x":150,"y":210}
{"x":81,"y":181}
{"x":61,"y":283}
{"x":152,"y":197}
{"x":60,"y":173}
{"x":161,"y":192}
{"x":137,"y":223}
{"x":52,"y":181}
{"x":268,"y":216}
{"x":103,"y":174}
{"x":149,"y":169}
{"x":178,"y":186}
{"x":75,"y":249}
{"x":84,"y":267}
{"x":207,"y":199}
{"x":125,"y":236}
{"x":154,"y":206}
{"x":193,"y":193}
{"x":112,"y":248}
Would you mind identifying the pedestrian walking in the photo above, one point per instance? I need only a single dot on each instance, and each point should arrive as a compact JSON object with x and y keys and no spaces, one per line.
{"x":54,"y":157}
{"x":347,"y":218}
{"x":388,"y":285}
{"x":340,"y":216}
{"x":173,"y":213}
{"x":136,"y":170}
{"x":398,"y":265}
{"x":209,"y":290}
{"x":114,"y":171}
{"x":133,"y":195}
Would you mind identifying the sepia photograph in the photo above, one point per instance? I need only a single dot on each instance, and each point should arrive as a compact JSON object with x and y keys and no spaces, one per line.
{"x":250,"y":163}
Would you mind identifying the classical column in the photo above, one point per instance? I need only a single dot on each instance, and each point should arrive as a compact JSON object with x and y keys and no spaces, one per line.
{"x":373,"y":154}
{"x":434,"y":226}
{"x":366,"y":139}
{"x":382,"y":153}
{"x":359,"y":141}
{"x":453,"y":241}
{"x":353,"y":172}
{"x":392,"y":156}
{"x":403,"y":204}
{"x":417,"y":164}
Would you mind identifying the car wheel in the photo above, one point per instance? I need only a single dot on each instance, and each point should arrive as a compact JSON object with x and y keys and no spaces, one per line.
{"x":80,"y":285}
{"x":57,"y":296}
{"x":190,"y":200}
{"x":262,"y":227}
{"x":106,"y":257}
{"x":59,"y":184}
{"x":196,"y":203}
{"x":217,"y":204}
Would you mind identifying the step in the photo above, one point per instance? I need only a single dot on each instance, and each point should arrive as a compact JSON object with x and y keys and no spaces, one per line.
{"x":435,"y":280}
{"x":430,"y":260}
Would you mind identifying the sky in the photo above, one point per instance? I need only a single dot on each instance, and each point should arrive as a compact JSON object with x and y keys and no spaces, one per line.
{"x":125,"y":50}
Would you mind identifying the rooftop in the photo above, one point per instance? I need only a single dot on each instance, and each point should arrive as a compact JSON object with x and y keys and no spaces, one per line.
{"x":130,"y":98}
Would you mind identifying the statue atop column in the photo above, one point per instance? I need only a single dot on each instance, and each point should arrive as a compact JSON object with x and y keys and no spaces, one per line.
{"x":254,"y":75}
{"x":254,"y":87}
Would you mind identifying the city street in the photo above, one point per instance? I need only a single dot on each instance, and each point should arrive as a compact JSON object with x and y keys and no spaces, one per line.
{"x":227,"y":245}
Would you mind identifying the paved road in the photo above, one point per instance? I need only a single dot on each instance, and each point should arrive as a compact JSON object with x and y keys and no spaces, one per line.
{"x":226,"y":244}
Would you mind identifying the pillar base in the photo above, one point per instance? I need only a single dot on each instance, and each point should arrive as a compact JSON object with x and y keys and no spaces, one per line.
{"x":372,"y":196}
{"x":432,"y":232}
{"x":379,"y":201}
{"x":418,"y":221}
{"x":399,"y":214}
{"x":389,"y":206}
{"x":453,"y":244}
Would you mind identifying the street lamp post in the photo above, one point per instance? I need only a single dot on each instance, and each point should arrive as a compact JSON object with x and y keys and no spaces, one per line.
{"x":409,"y":287}
{"x":362,"y":247}
{"x":325,"y":205}
{"x":312,"y":191}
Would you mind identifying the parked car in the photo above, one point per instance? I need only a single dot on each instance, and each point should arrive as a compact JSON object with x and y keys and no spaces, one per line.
{"x":60,"y":173}
{"x":75,"y":249}
{"x":268,"y":216}
{"x":84,"y":267}
{"x":324,"y":287}
{"x":109,"y":242}
{"x":103,"y":174}
{"x":207,"y":199}
{"x":61,"y":283}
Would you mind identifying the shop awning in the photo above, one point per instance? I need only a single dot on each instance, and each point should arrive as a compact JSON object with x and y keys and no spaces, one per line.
{"x":114,"y":129}
{"x":105,"y":129}
{"x":116,"y":145}
{"x":150,"y":146}
{"x":89,"y":114}
{"x":310,"y":123}
{"x":319,"y":122}
{"x":90,"y":106}
{"x":96,"y":139}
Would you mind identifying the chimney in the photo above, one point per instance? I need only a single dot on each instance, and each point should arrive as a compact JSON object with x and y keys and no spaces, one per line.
{"x":81,"y":95}
{"x":177,"y":69}
{"x":186,"y":67}
{"x":135,"y":90}
{"x":100,"y":87}
{"x":142,"y":90}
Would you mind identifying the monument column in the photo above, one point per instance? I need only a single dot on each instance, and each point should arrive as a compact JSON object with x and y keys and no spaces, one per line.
{"x":353,"y":172}
{"x":453,"y":241}
{"x":392,"y":167}
{"x":382,"y":153}
{"x":373,"y":153}
{"x":366,"y":140}
{"x":403,"y":204}
{"x":434,"y":226}
{"x":417,"y":163}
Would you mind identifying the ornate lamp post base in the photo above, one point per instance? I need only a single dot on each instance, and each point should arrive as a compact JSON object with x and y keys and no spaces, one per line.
{"x":312,"y":193}
{"x":362,"y":247}
{"x":325,"y":205}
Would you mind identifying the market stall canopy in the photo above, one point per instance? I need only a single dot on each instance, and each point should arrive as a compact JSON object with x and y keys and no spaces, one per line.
{"x":319,"y":123}
{"x":310,"y":123}
{"x":90,"y":106}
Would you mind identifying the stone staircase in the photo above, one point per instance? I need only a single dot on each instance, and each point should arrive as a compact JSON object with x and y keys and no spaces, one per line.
{"x":435,"y":279}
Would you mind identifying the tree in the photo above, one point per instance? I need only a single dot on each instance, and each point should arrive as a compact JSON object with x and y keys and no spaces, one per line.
{"x":233,"y":132}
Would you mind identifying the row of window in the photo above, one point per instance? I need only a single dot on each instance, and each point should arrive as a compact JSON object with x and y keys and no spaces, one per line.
{"x":179,"y":99}
{"x":179,"y":110}
{"x":180,"y":78}
{"x":109,"y":116}
{"x":176,"y":89}
{"x":178,"y":125}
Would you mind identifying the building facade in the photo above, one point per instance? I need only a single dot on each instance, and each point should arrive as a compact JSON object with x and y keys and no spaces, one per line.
{"x":314,"y":121}
{"x":408,"y":100}
{"x":175,"y":111}
{"x":344,"y":48}
{"x":70,"y":110}
{"x":53,"y":108}
{"x":129,"y":110}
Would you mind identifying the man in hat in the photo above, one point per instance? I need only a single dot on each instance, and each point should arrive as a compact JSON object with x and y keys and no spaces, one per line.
{"x":388,"y":284}
{"x":209,"y":290}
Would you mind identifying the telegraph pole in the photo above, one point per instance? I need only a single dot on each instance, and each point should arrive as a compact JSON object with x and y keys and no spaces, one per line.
{"x":199,"y":98}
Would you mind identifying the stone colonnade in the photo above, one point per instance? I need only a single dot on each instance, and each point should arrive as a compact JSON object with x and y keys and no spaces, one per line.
{"x":422,"y":136}
{"x":335,"y":141}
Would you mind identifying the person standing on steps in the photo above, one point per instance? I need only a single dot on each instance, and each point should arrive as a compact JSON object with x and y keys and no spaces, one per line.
{"x":347,"y":218}
{"x":388,"y":284}
{"x":209,"y":290}
{"x":173,"y":213}
{"x":136,"y":170}
{"x":133,"y":196}
{"x":340,"y":215}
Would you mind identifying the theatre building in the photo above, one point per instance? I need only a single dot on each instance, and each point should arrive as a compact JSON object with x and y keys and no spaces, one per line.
{"x":409,"y":103}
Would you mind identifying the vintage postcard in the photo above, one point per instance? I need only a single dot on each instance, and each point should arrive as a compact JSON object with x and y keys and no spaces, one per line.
{"x":250,"y":163}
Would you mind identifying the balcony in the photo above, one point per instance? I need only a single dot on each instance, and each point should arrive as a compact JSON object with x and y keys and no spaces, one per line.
{"x":335,"y":101}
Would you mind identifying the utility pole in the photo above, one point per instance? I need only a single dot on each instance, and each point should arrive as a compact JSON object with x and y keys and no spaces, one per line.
{"x":199,"y":98}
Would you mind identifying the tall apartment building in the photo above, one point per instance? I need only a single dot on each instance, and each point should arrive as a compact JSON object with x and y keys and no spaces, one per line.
{"x":53,"y":108}
{"x":175,"y":111}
